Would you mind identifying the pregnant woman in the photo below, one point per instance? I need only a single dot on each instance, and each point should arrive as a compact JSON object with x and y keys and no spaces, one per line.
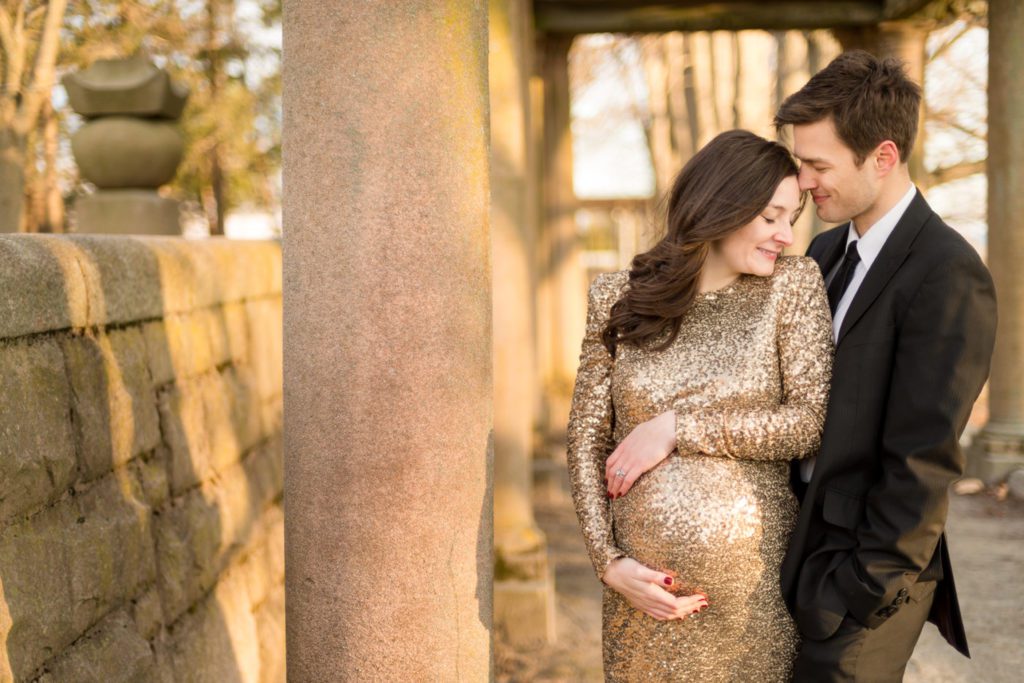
{"x":704,"y":371}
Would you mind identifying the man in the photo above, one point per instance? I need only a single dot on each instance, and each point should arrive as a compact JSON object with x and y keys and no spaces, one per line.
{"x":914,"y":323}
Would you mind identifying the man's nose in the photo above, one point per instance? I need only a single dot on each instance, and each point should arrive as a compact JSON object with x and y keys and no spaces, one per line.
{"x":806,"y":179}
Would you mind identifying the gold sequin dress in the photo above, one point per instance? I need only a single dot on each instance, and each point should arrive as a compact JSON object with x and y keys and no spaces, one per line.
{"x":748,"y":377}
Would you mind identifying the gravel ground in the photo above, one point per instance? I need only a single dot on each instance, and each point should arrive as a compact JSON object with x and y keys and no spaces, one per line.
{"x":986,"y":538}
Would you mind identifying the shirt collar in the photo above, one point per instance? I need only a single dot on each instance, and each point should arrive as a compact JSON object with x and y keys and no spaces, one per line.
{"x":871,"y":244}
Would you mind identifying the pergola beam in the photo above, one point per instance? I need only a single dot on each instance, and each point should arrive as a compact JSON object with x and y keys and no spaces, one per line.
{"x":901,"y":9}
{"x":594,"y":16}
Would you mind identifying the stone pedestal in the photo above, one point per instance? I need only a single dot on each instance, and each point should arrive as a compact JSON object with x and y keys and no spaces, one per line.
{"x":996,"y":451}
{"x":129,"y":146}
{"x":127,"y":212}
{"x":999,"y":448}
{"x":387,"y":365}
{"x":524,"y":608}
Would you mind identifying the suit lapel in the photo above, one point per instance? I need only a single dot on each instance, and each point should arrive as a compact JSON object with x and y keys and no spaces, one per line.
{"x":892,"y":255}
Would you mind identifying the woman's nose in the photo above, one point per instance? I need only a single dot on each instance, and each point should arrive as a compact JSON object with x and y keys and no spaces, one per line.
{"x":784,"y":236}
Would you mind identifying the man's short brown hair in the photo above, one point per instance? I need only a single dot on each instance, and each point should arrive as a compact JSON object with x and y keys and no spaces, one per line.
{"x":868,"y":99}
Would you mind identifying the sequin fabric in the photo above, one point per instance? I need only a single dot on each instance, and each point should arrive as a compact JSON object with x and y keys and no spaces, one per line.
{"x":748,"y":377}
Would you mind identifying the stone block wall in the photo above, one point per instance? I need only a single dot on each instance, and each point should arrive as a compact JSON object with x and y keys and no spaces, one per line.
{"x":141,"y":460}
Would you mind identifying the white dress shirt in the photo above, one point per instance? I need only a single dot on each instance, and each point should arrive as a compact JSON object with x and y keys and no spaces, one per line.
{"x":868,"y":248}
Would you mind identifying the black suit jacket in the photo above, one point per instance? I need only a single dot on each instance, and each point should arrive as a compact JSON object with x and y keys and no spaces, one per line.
{"x":911,"y":357}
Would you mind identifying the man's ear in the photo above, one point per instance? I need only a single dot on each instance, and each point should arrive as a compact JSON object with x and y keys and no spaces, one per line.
{"x":886,"y":157}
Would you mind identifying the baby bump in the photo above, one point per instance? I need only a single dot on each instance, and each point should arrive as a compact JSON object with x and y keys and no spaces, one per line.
{"x":709,"y":519}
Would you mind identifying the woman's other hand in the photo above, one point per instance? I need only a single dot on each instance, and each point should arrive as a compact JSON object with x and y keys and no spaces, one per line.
{"x":644,"y":589}
{"x":647,"y":445}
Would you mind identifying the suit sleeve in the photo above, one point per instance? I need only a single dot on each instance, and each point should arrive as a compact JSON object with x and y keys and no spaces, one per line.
{"x":589,"y":433}
{"x":793,"y":428}
{"x":941,"y":361}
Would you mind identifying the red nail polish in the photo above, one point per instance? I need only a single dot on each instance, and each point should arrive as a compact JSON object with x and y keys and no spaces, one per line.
{"x":668,"y":580}
{"x":609,"y":494}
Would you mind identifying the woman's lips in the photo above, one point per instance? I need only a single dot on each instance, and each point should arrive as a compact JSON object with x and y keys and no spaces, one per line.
{"x":772,"y":255}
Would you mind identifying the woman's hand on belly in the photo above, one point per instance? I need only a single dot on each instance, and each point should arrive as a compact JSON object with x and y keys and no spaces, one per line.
{"x":643,"y":588}
{"x":642,"y":449}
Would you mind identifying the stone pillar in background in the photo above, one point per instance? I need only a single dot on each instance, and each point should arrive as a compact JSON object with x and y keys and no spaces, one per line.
{"x":129,"y":147}
{"x":524,"y":589}
{"x":999,"y":448}
{"x":630,"y":228}
{"x":387,"y":365}
{"x":906,"y":41}
{"x":792,"y":72}
{"x":755,"y":87}
{"x":538,"y":216}
{"x":822,"y":48}
{"x":563,"y":275}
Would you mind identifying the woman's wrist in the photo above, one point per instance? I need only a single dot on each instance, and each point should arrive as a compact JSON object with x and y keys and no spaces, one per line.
{"x":609,"y":567}
{"x":671,"y":442}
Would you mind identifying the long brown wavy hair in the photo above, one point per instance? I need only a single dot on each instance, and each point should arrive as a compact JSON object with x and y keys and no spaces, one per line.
{"x":720,"y":189}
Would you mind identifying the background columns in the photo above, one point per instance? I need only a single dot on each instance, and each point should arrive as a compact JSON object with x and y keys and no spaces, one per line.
{"x":524,"y":595}
{"x":1000,"y":446}
{"x":563,"y":277}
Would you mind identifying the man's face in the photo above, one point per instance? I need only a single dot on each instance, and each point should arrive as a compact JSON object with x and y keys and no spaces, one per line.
{"x":840,"y":189}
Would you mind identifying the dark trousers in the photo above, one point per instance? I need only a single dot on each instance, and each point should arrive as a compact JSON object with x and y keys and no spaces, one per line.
{"x":857,"y":653}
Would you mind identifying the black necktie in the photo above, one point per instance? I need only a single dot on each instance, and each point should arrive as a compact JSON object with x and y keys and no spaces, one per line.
{"x":843,"y":276}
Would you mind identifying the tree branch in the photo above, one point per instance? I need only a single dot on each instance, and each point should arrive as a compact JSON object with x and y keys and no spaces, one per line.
{"x":35,"y":14}
{"x":45,"y":67}
{"x":19,"y":16}
{"x":948,"y":174}
{"x":6,"y":39}
{"x":643,"y":118}
{"x":948,"y":119}
{"x":949,"y":43}
{"x":14,"y":49}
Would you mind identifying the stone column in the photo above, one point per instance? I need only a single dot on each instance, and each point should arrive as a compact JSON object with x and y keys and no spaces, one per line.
{"x":792,"y":61}
{"x":524,"y":596}
{"x":563,"y":278}
{"x":999,"y":448}
{"x":906,"y":41}
{"x":387,"y":364}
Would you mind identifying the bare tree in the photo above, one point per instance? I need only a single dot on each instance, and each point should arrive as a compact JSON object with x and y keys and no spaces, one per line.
{"x":659,"y":124}
{"x":951,"y":112}
{"x":29,"y":43}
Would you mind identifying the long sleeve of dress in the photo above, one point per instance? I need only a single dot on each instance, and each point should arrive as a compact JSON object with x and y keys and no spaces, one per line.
{"x":589,"y":434}
{"x":792,"y":429}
